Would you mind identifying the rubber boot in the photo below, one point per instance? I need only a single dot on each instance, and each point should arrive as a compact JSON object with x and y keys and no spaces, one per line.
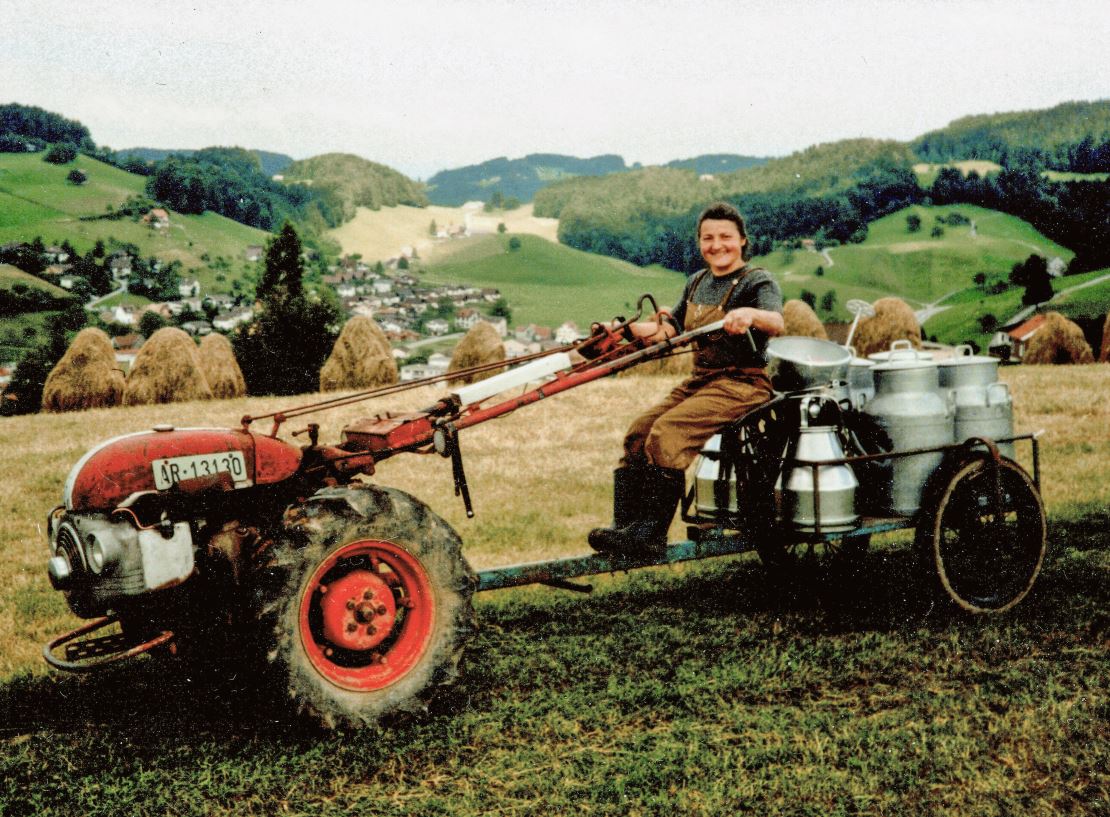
{"x":646,"y":535}
{"x":628,"y":487}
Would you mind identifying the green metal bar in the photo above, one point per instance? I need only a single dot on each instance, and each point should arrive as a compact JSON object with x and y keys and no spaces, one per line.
{"x":714,"y":543}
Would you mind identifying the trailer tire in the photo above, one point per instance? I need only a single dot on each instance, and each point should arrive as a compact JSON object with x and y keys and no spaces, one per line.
{"x":983,"y":564}
{"x":364,"y":605}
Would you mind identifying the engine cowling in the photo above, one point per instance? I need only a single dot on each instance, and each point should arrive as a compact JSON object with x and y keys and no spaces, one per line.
{"x":186,"y":460}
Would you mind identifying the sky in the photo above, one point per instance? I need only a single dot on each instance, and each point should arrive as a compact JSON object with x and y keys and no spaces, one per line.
{"x":423,"y":86}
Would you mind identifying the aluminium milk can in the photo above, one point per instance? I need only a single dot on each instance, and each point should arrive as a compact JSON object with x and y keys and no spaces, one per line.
{"x":909,"y":407}
{"x":861,"y":382}
{"x":835,"y":484}
{"x":706,"y":471}
{"x":983,"y":405}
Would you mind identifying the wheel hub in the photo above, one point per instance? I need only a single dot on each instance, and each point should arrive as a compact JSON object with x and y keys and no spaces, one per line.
{"x":359,"y":611}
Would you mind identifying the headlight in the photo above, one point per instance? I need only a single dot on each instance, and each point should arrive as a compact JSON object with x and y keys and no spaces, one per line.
{"x":104,"y":552}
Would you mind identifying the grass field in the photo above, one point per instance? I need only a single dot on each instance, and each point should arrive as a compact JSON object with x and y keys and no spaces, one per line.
{"x":927,"y":173}
{"x":915,"y":266}
{"x":36,"y":200}
{"x":702,"y":689}
{"x":549,"y":283}
{"x":380,"y":234}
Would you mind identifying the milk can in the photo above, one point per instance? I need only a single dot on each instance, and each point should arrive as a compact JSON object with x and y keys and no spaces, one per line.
{"x":983,"y":405}
{"x":902,"y":349}
{"x":909,"y":407}
{"x":861,"y":382}
{"x":836,"y":484}
{"x":706,"y":471}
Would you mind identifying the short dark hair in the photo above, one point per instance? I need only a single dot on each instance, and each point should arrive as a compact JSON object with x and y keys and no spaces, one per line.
{"x":723,"y":211}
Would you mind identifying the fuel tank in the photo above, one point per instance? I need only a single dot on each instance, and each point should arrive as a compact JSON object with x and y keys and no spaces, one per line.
{"x":185,"y":460}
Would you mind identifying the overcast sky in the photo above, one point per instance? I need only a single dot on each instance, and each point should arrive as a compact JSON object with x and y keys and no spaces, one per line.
{"x":423,"y":86}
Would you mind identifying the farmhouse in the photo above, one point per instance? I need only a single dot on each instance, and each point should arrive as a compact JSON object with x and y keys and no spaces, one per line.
{"x":1020,"y":336}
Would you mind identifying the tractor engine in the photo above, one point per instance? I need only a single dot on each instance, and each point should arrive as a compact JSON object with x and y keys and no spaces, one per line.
{"x":141,"y":511}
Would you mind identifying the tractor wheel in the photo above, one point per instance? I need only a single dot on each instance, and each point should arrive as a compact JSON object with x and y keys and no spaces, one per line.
{"x":984,"y":534}
{"x":364,"y":605}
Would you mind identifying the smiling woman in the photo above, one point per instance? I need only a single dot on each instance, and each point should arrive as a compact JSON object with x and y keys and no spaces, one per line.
{"x":728,"y":380}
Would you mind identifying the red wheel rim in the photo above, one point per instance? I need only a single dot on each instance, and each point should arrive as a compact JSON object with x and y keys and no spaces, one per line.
{"x":366,"y":615}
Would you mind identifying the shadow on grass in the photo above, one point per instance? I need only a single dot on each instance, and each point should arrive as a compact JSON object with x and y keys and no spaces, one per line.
{"x":158,"y":702}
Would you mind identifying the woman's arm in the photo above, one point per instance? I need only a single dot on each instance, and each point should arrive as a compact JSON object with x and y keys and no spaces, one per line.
{"x":738,"y":321}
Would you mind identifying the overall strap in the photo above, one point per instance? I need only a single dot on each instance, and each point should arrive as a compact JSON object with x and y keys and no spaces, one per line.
{"x":724,"y":301}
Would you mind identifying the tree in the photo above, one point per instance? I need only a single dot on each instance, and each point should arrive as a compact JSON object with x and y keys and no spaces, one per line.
{"x":820,"y":271}
{"x":988,"y":322}
{"x":913,"y":223}
{"x":402,"y":263}
{"x":284,"y":268}
{"x":979,"y":279}
{"x":937,"y":231}
{"x":828,"y":301}
{"x":77,"y":177}
{"x":151,"y":322}
{"x":433,"y":230}
{"x":283,"y":349}
{"x":514,"y":243}
{"x":501,"y":227}
{"x":809,"y":298}
{"x":501,"y":309}
{"x":61,"y":154}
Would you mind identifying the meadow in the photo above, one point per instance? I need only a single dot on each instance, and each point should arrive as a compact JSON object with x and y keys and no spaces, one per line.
{"x":695,"y":689}
{"x":549,"y":283}
{"x":36,"y":199}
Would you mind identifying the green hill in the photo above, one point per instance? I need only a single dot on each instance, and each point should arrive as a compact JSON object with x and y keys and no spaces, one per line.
{"x":923,"y":269}
{"x":549,"y":283}
{"x":356,"y":182}
{"x":1074,"y":136}
{"x":36,"y":200}
{"x":514,"y":178}
{"x":270,"y":162}
{"x":718,"y":162}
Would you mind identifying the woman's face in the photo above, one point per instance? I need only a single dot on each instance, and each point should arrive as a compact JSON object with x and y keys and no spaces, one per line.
{"x":722,"y":246}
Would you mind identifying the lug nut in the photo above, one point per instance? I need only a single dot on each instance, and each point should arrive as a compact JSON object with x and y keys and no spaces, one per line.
{"x":381,"y":610}
{"x":351,"y":627}
{"x":371,"y":629}
{"x":351,"y":604}
{"x":367,"y":595}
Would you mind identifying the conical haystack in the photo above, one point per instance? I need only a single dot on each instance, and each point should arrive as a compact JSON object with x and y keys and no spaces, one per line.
{"x":802,"y":321}
{"x":481,"y":344}
{"x":1104,"y":353}
{"x":166,"y":370}
{"x":361,"y":358}
{"x":1058,"y":341}
{"x":87,"y":376}
{"x":893,"y":320}
{"x":220,"y":367}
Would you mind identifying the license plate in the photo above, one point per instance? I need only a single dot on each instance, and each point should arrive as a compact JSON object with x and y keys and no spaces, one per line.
{"x":172,"y":470}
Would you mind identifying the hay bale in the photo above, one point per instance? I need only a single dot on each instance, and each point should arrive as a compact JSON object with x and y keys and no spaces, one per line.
{"x":87,"y":376}
{"x":481,"y":344}
{"x":893,"y":320}
{"x":1104,"y":352}
{"x":361,"y":358}
{"x":802,"y":321}
{"x":221,"y":369}
{"x":1058,"y":341}
{"x":166,"y":370}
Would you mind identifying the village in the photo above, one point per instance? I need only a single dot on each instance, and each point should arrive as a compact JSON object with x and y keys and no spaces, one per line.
{"x":412,"y":314}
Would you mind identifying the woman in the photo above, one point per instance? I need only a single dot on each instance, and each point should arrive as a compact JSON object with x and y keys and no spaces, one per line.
{"x":728,"y":380}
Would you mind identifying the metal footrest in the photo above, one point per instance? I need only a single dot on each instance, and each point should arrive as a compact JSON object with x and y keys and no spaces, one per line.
{"x":88,"y":654}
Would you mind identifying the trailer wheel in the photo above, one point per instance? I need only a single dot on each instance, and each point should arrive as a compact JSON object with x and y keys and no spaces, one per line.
{"x":364,"y":605}
{"x":986,"y":539}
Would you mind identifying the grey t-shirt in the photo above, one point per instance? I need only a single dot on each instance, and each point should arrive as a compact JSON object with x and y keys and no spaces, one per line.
{"x":757,"y":288}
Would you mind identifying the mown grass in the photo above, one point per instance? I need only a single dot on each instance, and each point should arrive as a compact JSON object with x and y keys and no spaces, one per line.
{"x":698,"y":689}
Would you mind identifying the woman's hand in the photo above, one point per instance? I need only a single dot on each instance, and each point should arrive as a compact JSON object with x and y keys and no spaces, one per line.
{"x":740,"y":320}
{"x":651,"y":331}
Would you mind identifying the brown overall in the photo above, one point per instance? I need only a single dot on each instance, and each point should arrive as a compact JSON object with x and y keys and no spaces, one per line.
{"x":670,"y":434}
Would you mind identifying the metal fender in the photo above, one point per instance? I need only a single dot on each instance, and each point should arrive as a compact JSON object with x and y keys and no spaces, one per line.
{"x":118,"y":468}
